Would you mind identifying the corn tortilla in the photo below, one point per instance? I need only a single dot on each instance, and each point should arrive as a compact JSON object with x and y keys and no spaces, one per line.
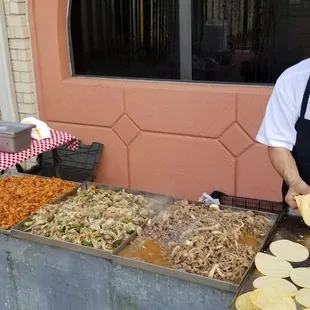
{"x":272,"y":299}
{"x":303,"y":204}
{"x":303,"y":297}
{"x":289,"y":251}
{"x":272,"y":266}
{"x":301,"y":277}
{"x":243,"y":302}
{"x":287,"y":287}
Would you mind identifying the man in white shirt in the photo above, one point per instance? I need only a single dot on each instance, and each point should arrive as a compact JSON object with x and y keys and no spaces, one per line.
{"x":286,"y":131}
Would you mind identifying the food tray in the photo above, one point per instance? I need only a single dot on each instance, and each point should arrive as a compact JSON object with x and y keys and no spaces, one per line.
{"x":291,"y":228}
{"x":219,"y":284}
{"x":12,"y":173}
{"x":14,"y":137}
{"x":157,"y":202}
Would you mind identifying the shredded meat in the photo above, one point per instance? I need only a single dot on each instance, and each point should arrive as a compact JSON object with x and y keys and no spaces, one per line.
{"x":21,"y":196}
{"x":207,"y":241}
{"x":98,"y":218}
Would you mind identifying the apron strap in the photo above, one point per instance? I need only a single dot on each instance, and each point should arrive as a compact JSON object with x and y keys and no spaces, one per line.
{"x":305,"y":100}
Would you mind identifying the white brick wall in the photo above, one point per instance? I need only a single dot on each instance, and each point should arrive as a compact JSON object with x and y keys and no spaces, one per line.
{"x":20,"y":52}
{"x":21,"y":60}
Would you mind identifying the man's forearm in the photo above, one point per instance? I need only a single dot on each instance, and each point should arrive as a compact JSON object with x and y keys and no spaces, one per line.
{"x":285,"y":164}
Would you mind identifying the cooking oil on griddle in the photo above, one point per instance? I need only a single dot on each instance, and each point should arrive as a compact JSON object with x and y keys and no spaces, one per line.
{"x":150,"y":252}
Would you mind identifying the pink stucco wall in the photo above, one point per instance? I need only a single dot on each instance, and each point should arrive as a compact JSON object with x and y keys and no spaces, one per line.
{"x":174,"y":138}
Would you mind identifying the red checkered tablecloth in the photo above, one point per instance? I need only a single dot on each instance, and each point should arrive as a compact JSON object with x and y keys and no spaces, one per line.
{"x":58,"y":138}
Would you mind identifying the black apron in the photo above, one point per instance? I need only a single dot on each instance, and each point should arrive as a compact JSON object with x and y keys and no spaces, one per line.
{"x":301,"y":151}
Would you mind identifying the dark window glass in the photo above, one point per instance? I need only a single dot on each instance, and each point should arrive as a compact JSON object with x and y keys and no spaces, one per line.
{"x":125,"y":38}
{"x":250,"y":41}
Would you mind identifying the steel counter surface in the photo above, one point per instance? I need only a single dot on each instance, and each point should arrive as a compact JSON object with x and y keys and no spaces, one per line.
{"x":7,"y":298}
{"x":40,"y":277}
{"x":136,"y":289}
{"x":291,"y":228}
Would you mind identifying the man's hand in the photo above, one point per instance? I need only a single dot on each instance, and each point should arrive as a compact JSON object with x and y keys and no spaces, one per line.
{"x":284,"y":163}
{"x":296,"y":188}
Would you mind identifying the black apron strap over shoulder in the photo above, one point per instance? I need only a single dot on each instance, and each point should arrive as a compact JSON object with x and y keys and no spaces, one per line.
{"x":305,"y":100}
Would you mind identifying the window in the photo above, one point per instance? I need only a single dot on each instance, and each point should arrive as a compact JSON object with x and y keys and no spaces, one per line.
{"x":243,"y":41}
{"x":126,"y":38}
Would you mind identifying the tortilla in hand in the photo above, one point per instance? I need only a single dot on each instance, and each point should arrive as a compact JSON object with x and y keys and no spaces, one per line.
{"x":303,"y":204}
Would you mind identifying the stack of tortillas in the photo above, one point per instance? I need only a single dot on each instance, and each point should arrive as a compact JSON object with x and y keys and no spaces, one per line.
{"x":303,"y":204}
{"x":272,"y":291}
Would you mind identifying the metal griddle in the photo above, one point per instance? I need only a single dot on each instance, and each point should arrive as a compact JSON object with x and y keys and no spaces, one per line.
{"x":292,"y":228}
{"x":219,"y":284}
{"x":10,"y":173}
{"x":155,"y":201}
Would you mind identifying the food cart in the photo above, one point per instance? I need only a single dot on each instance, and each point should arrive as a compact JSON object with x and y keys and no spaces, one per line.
{"x":45,"y":267}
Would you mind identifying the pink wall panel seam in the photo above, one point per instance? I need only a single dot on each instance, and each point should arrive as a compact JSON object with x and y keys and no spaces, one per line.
{"x":245,"y":131}
{"x":245,"y":150}
{"x":124,"y":100}
{"x":128,"y":164}
{"x":115,"y":121}
{"x":237,"y":106}
{"x":226,"y":130}
{"x":226,"y":148}
{"x":135,"y":123}
{"x":236,"y":178}
{"x":118,"y":136}
{"x":84,"y":124}
{"x":180,"y":134}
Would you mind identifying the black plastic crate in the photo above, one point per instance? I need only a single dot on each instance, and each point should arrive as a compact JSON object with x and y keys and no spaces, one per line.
{"x":78,"y":166}
{"x":249,"y":203}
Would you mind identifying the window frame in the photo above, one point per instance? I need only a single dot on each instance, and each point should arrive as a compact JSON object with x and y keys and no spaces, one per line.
{"x":69,"y":40}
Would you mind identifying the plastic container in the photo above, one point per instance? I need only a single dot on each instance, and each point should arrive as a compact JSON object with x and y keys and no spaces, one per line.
{"x":14,"y":137}
{"x":77,"y":166}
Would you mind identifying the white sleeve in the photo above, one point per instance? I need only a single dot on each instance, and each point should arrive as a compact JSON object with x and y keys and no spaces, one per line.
{"x":278,"y":126}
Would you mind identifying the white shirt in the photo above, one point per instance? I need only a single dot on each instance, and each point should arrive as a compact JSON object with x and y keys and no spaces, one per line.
{"x":283,"y":109}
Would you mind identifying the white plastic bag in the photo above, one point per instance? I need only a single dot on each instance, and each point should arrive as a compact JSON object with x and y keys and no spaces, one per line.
{"x":42,"y":131}
{"x":207,"y":199}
